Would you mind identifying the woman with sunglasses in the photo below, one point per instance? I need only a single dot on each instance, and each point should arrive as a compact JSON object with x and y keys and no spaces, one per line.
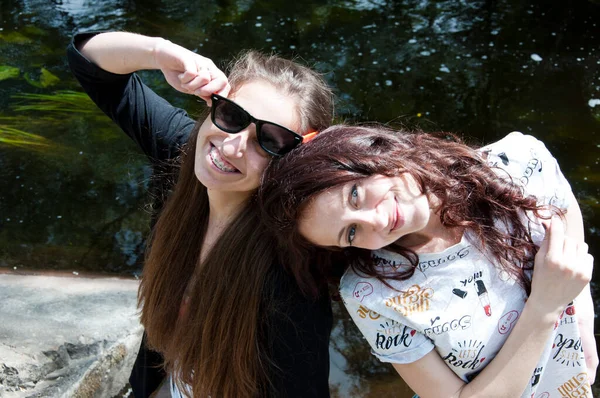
{"x":223,"y":317}
{"x":464,"y":263}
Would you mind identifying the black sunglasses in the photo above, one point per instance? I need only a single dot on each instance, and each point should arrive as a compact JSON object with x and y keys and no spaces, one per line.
{"x":232,"y":118}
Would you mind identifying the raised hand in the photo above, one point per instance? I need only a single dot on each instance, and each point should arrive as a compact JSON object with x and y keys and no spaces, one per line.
{"x":189,"y":72}
{"x":563,"y":268}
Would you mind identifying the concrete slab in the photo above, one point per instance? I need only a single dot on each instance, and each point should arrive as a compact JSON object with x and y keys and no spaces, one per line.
{"x":66,"y":336}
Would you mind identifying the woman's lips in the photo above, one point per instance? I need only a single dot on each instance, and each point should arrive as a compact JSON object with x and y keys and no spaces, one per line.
{"x":398,"y":221}
{"x":220,"y":163}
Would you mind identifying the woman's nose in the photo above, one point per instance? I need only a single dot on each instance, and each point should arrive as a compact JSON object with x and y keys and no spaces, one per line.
{"x":376,"y":220}
{"x":234,"y":145}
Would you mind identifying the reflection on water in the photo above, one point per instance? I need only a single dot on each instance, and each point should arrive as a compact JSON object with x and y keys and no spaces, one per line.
{"x":74,"y":188}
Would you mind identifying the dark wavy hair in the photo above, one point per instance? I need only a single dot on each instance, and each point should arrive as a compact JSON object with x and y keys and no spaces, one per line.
{"x":471,"y":194}
{"x":221,"y":347}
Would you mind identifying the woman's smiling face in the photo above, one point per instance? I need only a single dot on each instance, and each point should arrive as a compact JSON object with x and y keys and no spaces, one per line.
{"x":370,"y":213}
{"x":235,"y":162}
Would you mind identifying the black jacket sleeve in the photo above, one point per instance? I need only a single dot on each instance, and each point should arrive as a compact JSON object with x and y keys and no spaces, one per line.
{"x":159,"y":129}
{"x":298,"y":334}
{"x":156,"y":126}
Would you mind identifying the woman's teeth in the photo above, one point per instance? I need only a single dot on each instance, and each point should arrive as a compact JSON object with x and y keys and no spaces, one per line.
{"x":219,"y":162}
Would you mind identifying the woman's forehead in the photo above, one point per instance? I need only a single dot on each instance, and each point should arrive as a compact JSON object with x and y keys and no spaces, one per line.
{"x":266,"y":102}
{"x":321,"y":217}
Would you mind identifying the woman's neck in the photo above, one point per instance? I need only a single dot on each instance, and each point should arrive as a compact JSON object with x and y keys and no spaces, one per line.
{"x":223,"y":207}
{"x":434,"y":238}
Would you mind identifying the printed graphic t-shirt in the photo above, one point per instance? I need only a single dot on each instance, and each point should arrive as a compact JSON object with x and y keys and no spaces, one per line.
{"x":461,"y":304}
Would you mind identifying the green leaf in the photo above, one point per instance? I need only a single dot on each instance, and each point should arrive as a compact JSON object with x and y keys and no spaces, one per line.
{"x":13,"y":136}
{"x":8,"y":72}
{"x":15,"y":38}
{"x":61,"y":101}
{"x":48,"y":79}
{"x":29,"y":79}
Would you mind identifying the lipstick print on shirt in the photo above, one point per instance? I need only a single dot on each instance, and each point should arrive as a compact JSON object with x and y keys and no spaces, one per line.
{"x":504,"y":158}
{"x":483,"y":297}
{"x":567,"y":316}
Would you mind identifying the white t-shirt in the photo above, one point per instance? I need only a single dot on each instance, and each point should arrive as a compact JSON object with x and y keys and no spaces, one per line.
{"x":462,"y":305}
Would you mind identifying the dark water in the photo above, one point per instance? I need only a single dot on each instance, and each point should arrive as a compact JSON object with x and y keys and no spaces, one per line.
{"x":73,"y":188}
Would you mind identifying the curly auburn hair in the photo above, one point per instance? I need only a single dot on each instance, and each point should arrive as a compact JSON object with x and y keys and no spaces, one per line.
{"x":471,"y":194}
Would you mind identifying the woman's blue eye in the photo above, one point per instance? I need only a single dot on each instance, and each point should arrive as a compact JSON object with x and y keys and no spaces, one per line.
{"x":354,"y":194}
{"x":351,"y":234}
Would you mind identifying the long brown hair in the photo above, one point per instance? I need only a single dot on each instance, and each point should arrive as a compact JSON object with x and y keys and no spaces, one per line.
{"x":471,"y":194}
{"x":217,"y":348}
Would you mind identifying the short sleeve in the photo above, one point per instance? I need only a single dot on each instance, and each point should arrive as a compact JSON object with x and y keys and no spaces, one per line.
{"x":529,"y":163}
{"x":390,"y":340}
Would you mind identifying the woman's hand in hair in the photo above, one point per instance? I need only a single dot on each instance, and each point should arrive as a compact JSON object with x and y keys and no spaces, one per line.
{"x":562,"y":270}
{"x":189,"y":72}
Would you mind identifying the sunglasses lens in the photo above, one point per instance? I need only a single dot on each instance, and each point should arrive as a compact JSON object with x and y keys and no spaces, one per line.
{"x":276,"y":139}
{"x":229,"y":117}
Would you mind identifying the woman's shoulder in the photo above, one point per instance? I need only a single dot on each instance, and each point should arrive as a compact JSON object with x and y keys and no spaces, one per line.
{"x":514,"y":147}
{"x":355,"y":286}
{"x":527,"y":162}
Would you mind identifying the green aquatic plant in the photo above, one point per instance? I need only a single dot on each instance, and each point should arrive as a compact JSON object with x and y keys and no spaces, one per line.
{"x":45,"y":107}
{"x":45,"y":79}
{"x":41,"y":121}
{"x":15,"y":38}
{"x":9,"y":72}
{"x":16,"y":137}
{"x":61,"y":101}
{"x":32,"y":30}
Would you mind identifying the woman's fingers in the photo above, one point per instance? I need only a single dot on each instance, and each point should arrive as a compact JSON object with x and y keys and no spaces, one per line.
{"x":201,"y":79}
{"x":556,"y":237}
{"x":189,"y":72}
{"x":562,"y":269}
{"x":187,"y":76}
{"x":218,"y":85}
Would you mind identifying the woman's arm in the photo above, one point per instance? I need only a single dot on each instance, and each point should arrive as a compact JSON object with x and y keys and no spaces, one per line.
{"x":184,"y":70}
{"x":157,"y":127}
{"x":507,"y":375}
{"x":583,"y":303}
{"x":562,"y":270}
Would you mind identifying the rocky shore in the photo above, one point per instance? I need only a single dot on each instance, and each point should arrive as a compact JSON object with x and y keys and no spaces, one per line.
{"x":67,"y":336}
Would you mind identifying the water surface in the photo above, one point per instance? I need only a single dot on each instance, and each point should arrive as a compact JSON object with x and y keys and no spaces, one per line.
{"x":74,"y":188}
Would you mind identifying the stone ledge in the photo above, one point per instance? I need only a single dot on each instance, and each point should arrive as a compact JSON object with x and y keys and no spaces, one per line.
{"x":65,"y":336}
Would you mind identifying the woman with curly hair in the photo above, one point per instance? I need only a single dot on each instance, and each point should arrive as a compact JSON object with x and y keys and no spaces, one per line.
{"x":463,"y":263}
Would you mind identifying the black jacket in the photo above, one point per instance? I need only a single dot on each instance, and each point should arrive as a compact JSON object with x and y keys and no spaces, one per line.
{"x":299,"y":340}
